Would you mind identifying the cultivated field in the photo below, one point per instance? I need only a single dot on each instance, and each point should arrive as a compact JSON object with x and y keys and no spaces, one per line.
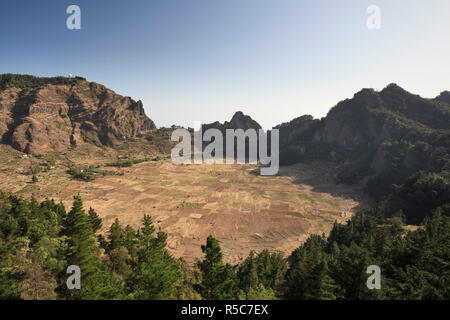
{"x":243,"y":210}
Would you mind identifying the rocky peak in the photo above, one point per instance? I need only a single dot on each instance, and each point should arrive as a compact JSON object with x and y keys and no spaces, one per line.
{"x":365,"y":93}
{"x":444,"y":97}
{"x":43,"y":114}
{"x":359,"y":133}
{"x":242,"y":121}
{"x":393,"y":87}
{"x":238,"y":121}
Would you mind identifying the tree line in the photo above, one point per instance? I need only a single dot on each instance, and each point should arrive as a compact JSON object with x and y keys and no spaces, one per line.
{"x":38,"y":241}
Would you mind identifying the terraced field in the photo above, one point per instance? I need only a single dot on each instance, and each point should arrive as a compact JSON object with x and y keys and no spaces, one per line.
{"x":244,"y":210}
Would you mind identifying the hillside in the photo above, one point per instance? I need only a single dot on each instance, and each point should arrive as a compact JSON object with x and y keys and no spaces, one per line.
{"x":375,"y":138}
{"x":264,"y":231}
{"x":38,"y":115}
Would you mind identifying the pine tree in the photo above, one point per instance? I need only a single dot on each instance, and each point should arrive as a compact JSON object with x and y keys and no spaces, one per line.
{"x":247,"y":274}
{"x":272,"y":269}
{"x":96,"y":282}
{"x":308,"y":277}
{"x":115,"y":236}
{"x":130,"y":240}
{"x":155,"y":271}
{"x":258,"y":293}
{"x":94,"y":219}
{"x":218,"y":280}
{"x":38,"y":284}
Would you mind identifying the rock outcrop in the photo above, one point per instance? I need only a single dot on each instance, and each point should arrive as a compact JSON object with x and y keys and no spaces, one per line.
{"x":387,"y":134}
{"x":444,"y":97}
{"x":42,"y":114}
{"x":238,"y":121}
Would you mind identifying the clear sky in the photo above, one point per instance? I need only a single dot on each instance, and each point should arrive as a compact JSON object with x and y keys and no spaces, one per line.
{"x":202,"y":60}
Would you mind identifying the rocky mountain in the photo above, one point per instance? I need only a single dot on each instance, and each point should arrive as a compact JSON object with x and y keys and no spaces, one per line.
{"x":375,"y":138}
{"x":238,"y":121}
{"x":379,"y":138}
{"x":444,"y":97}
{"x":43,"y":114}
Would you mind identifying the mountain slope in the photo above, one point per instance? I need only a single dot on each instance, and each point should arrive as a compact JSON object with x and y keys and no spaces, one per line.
{"x":43,"y":114}
{"x":377,"y":138}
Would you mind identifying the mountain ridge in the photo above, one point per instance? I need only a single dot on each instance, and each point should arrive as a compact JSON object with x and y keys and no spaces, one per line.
{"x":43,"y":114}
{"x":375,"y":138}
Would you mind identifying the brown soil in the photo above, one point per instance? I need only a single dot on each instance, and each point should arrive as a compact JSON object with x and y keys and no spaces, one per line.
{"x":243,"y":210}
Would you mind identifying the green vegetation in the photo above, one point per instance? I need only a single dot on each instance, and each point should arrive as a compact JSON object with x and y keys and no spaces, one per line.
{"x":82,"y":173}
{"x":236,"y":205}
{"x":34,"y":169}
{"x":189,"y":205}
{"x":329,"y":201}
{"x":28,"y":82}
{"x":90,"y":173}
{"x":305,"y":197}
{"x":130,"y":162}
{"x":82,"y":250}
{"x":153,"y":271}
{"x":419,"y":196}
{"x":38,"y":241}
{"x":407,"y":171}
{"x":382,"y":139}
{"x":218,"y":280}
{"x":415,"y":265}
{"x":418,"y":138}
{"x":50,"y":161}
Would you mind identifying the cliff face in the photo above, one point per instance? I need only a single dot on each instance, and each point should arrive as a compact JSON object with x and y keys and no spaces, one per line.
{"x":238,"y":121}
{"x":373,"y":117}
{"x":390,"y":133}
{"x":42,"y":114}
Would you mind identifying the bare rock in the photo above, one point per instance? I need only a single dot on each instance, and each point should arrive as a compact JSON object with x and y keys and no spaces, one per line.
{"x":43,"y":114}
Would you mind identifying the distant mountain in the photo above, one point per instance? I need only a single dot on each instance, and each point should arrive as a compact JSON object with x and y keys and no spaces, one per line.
{"x":377,"y":138}
{"x":444,"y":97}
{"x":238,"y":121}
{"x":395,"y":143}
{"x":43,"y":114}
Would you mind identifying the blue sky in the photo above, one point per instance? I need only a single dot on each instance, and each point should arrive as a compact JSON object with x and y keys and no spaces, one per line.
{"x":202,"y":60}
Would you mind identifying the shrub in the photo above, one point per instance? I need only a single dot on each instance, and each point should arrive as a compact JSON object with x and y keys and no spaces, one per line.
{"x":35,"y":169}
